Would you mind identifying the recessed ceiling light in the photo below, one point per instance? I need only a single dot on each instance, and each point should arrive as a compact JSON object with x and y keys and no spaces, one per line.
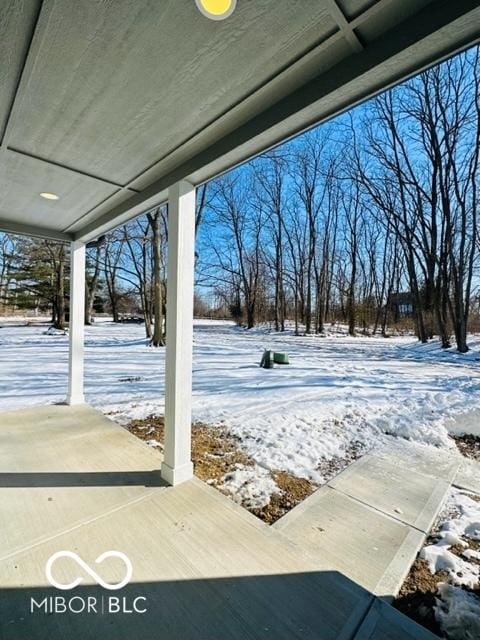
{"x":217,"y":9}
{"x":49,"y":196}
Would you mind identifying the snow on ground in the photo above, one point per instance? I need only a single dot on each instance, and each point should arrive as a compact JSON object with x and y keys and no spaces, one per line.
{"x":463,"y":525}
{"x":458,"y":613}
{"x":457,"y":610}
{"x":338,"y":390}
{"x":250,"y":486}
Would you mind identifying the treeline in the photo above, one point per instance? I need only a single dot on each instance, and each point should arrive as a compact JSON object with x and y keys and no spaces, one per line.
{"x":34,"y":276}
{"x":125,"y":274}
{"x":364,"y":220}
{"x":369,"y":220}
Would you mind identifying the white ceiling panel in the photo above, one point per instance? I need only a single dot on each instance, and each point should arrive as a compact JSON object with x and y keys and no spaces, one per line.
{"x":115,"y":86}
{"x":17,"y":20}
{"x":22,"y":179}
{"x":108,"y":102}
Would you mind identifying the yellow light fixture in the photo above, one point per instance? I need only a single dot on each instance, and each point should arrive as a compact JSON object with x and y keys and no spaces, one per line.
{"x":216,"y":9}
{"x":49,"y":196}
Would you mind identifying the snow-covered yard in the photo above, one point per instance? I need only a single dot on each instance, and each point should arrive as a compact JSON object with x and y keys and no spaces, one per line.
{"x":338,"y":391}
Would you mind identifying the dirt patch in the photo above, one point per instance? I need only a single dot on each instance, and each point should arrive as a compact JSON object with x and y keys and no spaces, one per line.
{"x":417,"y":595}
{"x":293,"y":490}
{"x":468,"y":445}
{"x":151,"y":428}
{"x":330,"y":468}
{"x":216,"y":452}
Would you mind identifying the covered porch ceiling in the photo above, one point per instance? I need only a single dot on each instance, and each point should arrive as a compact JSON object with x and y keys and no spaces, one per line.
{"x":107,"y":104}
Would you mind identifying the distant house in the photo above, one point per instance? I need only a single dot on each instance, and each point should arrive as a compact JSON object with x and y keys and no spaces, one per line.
{"x":401,"y":305}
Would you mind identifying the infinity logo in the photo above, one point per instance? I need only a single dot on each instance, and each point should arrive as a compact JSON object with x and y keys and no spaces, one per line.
{"x":87,"y":569}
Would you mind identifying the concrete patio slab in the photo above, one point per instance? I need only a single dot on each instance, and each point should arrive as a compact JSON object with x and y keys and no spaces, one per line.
{"x":468,"y":476}
{"x":367,"y":546}
{"x":61,"y":467}
{"x":205,"y":570}
{"x":428,"y":460}
{"x":383,"y":622}
{"x":30,"y":516}
{"x":69,"y":439}
{"x":203,"y":567}
{"x":406,"y":495}
{"x":72,"y":480}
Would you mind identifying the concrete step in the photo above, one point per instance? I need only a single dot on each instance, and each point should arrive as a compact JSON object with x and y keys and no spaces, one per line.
{"x":430,"y":461}
{"x":370,"y":521}
{"x":370,"y":548}
{"x":383,"y":622}
{"x":395,"y":490}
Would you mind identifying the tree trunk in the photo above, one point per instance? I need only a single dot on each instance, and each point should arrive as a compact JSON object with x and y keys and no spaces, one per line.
{"x":60,"y":293}
{"x":250,"y":309}
{"x":91,"y":290}
{"x":158,"y":338}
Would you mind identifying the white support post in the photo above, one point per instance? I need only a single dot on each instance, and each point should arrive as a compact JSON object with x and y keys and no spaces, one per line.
{"x":76,"y":323}
{"x":177,"y":466}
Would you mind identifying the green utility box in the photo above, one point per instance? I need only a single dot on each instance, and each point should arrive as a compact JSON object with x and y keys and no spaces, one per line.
{"x":270,"y":358}
{"x":280,"y":358}
{"x":267,"y":359}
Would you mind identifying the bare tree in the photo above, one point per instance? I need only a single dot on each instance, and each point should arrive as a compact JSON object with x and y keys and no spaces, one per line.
{"x":269,"y":179}
{"x":424,"y":140}
{"x":238,"y":254}
{"x":136,"y":266}
{"x":155,"y":220}
{"x":94,"y":262}
{"x":114,"y":245}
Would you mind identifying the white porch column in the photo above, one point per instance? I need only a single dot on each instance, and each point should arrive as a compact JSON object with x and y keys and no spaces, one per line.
{"x":177,"y":466}
{"x":76,"y":323}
